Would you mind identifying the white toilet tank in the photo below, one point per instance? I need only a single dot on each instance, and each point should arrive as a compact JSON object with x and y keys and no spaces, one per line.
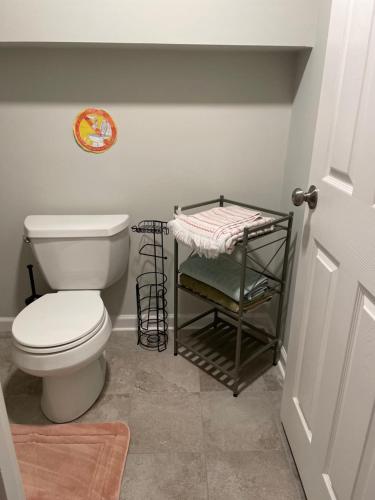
{"x":80,"y":252}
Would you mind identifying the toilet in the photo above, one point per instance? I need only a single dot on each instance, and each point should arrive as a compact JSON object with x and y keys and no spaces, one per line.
{"x":62,"y":336}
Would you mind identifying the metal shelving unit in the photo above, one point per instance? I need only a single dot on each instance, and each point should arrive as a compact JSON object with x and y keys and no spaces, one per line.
{"x":227,"y":345}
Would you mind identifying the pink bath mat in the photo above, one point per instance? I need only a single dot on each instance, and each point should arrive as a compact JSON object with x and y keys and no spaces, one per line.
{"x":72,"y":461}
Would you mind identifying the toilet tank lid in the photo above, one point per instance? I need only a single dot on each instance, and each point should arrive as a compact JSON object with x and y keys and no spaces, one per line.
{"x":65,"y":226}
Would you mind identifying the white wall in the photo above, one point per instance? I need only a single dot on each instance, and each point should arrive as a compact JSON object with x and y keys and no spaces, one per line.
{"x":191,"y":125}
{"x":191,"y":22}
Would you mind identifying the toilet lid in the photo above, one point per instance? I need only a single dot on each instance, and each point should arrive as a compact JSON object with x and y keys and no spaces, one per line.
{"x":59,"y":318}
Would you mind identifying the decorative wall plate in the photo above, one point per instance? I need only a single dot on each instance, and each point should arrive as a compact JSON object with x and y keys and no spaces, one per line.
{"x":95,"y":130}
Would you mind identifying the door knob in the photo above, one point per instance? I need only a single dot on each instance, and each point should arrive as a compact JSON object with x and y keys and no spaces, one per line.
{"x":311,"y":197}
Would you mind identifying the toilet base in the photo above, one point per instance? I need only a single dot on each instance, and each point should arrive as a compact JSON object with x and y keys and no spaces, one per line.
{"x":67,"y":397}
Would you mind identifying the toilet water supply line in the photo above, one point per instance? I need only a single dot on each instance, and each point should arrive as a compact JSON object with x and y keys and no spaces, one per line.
{"x":33,"y":295}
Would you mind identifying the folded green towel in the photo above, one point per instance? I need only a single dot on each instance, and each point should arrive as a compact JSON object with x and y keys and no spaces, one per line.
{"x":219,"y":297}
{"x":224,"y":274}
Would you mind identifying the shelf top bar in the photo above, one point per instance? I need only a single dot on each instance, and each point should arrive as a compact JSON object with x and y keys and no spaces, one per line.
{"x":246,"y":205}
{"x":241,"y":204}
{"x":197,"y":205}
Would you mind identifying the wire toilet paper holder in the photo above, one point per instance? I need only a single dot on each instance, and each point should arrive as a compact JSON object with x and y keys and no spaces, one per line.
{"x":151,"y":288}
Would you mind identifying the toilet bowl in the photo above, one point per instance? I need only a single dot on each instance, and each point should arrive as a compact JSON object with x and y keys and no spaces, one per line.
{"x":61,"y":337}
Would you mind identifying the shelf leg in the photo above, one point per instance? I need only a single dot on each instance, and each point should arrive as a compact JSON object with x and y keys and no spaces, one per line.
{"x":238,"y":357}
{"x":240,"y":315}
{"x":215,"y":317}
{"x":175,"y":319}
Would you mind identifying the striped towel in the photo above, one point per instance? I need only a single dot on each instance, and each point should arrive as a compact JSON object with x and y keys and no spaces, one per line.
{"x":217,"y":230}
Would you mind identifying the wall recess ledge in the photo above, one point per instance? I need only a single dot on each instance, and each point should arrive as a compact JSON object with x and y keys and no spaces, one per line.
{"x":213,"y":23}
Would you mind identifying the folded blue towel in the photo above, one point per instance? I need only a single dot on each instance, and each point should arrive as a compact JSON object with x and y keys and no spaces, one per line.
{"x":224,"y":274}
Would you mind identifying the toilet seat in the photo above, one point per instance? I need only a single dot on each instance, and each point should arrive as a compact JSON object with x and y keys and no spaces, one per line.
{"x":59,"y":322}
{"x":63,"y":347}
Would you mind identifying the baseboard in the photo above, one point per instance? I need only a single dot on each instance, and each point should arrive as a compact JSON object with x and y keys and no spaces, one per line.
{"x":6,"y":324}
{"x":128,"y":322}
{"x":124,"y":322}
{"x":282,"y":362}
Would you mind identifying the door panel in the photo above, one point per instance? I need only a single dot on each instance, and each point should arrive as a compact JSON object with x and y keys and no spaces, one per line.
{"x":319,"y":309}
{"x":349,"y":93}
{"x":364,"y":144}
{"x":365,"y":484}
{"x":354,"y":408}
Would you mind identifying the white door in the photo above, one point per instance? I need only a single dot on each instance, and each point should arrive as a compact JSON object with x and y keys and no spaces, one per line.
{"x":10,"y":479}
{"x":328,"y":407}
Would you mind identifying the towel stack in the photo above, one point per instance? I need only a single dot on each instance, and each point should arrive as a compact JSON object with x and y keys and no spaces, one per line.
{"x":224,"y":274}
{"x":216,"y":231}
{"x":210,"y":272}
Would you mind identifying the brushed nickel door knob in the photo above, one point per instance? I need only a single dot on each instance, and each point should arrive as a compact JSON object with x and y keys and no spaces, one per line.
{"x":310,"y":197}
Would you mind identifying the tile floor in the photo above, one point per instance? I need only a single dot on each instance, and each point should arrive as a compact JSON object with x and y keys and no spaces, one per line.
{"x":190,"y":439}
